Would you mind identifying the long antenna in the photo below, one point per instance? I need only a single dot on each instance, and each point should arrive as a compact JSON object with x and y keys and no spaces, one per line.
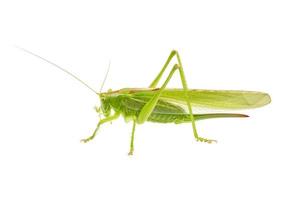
{"x":102,"y":84}
{"x":59,"y":67}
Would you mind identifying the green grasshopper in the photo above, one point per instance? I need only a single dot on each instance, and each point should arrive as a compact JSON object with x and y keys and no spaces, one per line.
{"x":164,"y":105}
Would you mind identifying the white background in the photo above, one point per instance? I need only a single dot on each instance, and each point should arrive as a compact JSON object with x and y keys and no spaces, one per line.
{"x":250,"y":45}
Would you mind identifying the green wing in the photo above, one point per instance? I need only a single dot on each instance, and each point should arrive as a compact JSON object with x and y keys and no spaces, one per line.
{"x":219,"y":99}
{"x":213,"y":99}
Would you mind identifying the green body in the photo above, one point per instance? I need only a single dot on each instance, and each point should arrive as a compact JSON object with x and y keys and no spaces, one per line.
{"x":169,"y":108}
{"x":166,"y":105}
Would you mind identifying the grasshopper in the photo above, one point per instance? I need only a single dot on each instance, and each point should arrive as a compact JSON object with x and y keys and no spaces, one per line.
{"x":168,"y":105}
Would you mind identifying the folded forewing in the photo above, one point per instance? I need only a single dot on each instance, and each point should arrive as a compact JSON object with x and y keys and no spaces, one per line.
{"x":219,"y":99}
{"x":211,"y":99}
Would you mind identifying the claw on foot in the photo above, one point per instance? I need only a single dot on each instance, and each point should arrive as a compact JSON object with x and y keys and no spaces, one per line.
{"x":199,"y":139}
{"x":130,"y":153}
{"x":86,"y":140}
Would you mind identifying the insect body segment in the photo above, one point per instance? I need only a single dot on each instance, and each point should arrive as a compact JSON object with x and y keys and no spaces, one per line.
{"x":164,"y":112}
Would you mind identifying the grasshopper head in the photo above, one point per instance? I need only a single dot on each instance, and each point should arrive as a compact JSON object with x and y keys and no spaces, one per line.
{"x":105,"y":106}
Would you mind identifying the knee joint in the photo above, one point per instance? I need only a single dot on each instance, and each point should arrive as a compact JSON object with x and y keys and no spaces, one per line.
{"x":177,"y":66}
{"x":174,"y":52}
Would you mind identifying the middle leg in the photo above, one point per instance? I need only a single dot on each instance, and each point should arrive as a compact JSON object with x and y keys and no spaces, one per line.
{"x":132,"y":139}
